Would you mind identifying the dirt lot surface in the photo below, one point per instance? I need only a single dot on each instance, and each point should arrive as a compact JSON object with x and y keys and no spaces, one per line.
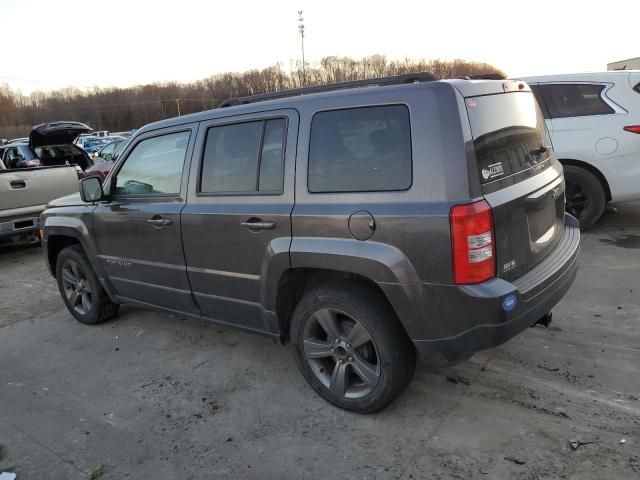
{"x":150,"y":396}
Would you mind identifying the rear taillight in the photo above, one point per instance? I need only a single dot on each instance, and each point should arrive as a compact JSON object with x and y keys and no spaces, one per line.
{"x":632,"y":128}
{"x":472,"y":240}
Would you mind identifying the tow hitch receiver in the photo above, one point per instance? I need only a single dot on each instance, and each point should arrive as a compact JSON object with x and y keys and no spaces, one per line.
{"x":546,"y":320}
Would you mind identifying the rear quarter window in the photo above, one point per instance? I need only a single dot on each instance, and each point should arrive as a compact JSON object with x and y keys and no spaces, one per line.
{"x":574,"y":100}
{"x":363,"y":149}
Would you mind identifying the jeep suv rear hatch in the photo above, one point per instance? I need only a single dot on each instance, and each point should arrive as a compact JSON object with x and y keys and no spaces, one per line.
{"x":519,"y":177}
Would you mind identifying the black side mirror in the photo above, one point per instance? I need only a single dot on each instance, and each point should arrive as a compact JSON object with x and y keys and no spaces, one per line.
{"x":91,"y":189}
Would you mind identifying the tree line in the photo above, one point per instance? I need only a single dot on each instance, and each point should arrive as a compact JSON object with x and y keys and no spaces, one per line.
{"x":120,"y":109}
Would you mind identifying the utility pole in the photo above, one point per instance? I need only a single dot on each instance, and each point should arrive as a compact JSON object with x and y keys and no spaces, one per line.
{"x":178,"y":104}
{"x":301,"y":30}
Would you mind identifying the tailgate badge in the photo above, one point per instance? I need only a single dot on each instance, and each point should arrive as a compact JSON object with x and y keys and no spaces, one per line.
{"x":509,"y":266}
{"x":509,"y":302}
{"x":492,"y":171}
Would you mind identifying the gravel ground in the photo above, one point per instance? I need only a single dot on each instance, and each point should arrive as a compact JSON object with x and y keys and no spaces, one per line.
{"x":150,"y":396}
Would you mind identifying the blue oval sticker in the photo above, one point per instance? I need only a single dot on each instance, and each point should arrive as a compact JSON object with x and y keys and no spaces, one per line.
{"x":509,"y":302}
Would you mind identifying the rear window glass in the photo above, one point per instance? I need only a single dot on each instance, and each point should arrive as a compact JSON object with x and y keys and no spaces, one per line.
{"x":508,"y":132}
{"x":574,"y":100}
{"x":360,"y":150}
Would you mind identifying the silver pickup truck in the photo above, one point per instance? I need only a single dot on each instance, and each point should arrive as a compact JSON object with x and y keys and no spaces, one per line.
{"x":34,"y":172}
{"x":25,"y":192}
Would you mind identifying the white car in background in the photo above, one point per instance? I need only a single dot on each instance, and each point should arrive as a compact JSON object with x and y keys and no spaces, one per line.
{"x":594,"y":122}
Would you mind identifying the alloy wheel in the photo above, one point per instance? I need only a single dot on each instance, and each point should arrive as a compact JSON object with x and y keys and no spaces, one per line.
{"x":76,"y":287}
{"x":577,"y":199}
{"x":341,"y":353}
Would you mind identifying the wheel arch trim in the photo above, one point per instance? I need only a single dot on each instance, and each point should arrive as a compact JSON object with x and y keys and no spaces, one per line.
{"x":75,"y":229}
{"x":380,"y":264}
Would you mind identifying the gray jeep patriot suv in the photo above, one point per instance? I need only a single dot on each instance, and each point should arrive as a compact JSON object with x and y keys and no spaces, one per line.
{"x":364,"y":222}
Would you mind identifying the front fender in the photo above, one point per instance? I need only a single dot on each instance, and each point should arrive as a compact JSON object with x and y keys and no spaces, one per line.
{"x":76,"y":228}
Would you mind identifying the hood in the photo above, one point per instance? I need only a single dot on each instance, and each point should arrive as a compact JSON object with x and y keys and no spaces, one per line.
{"x":67,"y":201}
{"x":56,"y":133}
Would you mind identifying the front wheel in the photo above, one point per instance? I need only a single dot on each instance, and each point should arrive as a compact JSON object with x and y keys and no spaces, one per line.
{"x":351,"y":348}
{"x":80,"y":288}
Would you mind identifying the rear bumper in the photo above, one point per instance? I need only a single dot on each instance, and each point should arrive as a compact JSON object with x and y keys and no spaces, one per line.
{"x":466,"y":319}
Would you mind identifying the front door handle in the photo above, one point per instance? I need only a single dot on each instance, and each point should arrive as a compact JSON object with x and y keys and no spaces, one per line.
{"x":158,"y":221}
{"x":256,"y":224}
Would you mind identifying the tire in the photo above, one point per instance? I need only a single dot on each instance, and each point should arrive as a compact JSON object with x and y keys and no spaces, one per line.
{"x":80,"y":288}
{"x":586,"y":198}
{"x":372,"y":361}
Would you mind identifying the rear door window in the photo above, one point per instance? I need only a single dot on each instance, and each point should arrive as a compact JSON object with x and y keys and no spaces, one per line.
{"x":244,"y":157}
{"x":360,"y":150}
{"x":574,"y":100}
{"x":508,"y":133}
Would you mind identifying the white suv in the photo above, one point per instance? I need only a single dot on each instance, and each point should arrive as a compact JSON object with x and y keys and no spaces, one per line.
{"x":594,"y":121}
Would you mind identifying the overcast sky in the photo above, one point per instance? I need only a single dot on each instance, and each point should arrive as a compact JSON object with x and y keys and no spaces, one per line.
{"x":47,"y":44}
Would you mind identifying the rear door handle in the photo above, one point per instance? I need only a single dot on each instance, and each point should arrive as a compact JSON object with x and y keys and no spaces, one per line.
{"x":16,"y":184}
{"x":159,"y":221}
{"x":256,"y":224}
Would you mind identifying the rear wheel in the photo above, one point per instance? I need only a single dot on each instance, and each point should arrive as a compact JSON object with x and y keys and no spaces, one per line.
{"x":351,"y":348}
{"x":80,"y":289}
{"x":585,"y":195}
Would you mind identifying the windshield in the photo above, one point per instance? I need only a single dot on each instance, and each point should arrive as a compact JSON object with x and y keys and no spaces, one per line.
{"x":120,"y":148}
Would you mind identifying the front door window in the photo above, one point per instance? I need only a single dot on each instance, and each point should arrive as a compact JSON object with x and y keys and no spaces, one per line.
{"x":154,"y":166}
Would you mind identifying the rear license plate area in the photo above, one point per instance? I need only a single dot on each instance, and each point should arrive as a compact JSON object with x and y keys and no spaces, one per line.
{"x":545,"y":215}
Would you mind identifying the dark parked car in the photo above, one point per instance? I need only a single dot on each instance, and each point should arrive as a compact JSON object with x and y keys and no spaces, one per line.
{"x":363,"y":225}
{"x":106,"y":159}
{"x":18,"y":140}
{"x":106,"y":151}
{"x":49,"y":144}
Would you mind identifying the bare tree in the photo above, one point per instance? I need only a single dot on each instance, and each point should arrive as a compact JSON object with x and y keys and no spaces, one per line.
{"x":126,"y":108}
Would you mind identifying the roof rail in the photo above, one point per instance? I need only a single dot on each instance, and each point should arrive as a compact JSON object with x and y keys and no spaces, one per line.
{"x":292,"y":92}
{"x":485,"y":76}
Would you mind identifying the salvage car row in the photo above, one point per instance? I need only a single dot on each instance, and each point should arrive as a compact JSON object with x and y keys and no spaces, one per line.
{"x":305,"y":217}
{"x":45,"y":166}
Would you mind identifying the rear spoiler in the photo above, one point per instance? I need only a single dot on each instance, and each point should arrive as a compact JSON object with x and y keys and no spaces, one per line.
{"x":484,"y":76}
